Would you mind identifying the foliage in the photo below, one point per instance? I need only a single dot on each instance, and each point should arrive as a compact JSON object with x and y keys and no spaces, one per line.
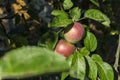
{"x":29,"y":36}
{"x":98,"y":16}
{"x":29,"y":61}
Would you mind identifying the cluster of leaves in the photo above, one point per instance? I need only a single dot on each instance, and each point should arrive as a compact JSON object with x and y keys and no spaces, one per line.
{"x":85,"y":66}
{"x":96,"y":67}
{"x":30,"y":61}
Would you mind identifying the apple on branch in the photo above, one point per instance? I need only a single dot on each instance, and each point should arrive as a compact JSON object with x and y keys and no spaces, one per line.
{"x":64,"y":48}
{"x":75,"y":34}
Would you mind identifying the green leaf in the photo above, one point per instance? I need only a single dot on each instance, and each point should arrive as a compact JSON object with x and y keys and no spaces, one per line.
{"x":95,"y":2}
{"x":84,"y":51}
{"x":98,"y":16}
{"x":106,"y":23}
{"x":60,"y":13}
{"x":75,"y":13}
{"x":90,"y":41}
{"x":105,"y":71}
{"x":64,"y":75}
{"x":78,"y":67}
{"x":96,"y":58}
{"x":48,"y":40}
{"x":67,"y":4}
{"x":60,"y":21}
{"x":69,"y":59}
{"x":30,"y":61}
{"x":92,"y":68}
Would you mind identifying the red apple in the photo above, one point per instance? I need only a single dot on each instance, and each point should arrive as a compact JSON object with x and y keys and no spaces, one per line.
{"x":64,"y":48}
{"x":75,"y":34}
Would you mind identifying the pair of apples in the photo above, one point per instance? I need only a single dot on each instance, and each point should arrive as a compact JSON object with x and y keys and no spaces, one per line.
{"x":75,"y":34}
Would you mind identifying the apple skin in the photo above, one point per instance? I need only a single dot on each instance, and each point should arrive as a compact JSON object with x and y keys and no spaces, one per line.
{"x":64,"y":48}
{"x":75,"y":34}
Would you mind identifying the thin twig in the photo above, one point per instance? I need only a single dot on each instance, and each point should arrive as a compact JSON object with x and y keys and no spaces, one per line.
{"x":117,"y":56}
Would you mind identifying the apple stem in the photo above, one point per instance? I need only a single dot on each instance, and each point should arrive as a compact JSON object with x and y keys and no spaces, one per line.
{"x":60,"y":30}
{"x":82,"y":18}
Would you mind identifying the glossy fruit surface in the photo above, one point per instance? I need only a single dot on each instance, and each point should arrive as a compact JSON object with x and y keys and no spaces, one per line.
{"x":64,"y":48}
{"x":75,"y":34}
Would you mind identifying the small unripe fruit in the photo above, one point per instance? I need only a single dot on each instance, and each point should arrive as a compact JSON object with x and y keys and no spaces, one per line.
{"x":75,"y":34}
{"x":64,"y":48}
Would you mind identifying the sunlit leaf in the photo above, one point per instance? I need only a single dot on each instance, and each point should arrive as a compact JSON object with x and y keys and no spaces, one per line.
{"x":97,"y":16}
{"x":84,"y":51}
{"x":78,"y":67}
{"x":75,"y":13}
{"x":92,"y":73}
{"x":105,"y":71}
{"x":90,"y":41}
{"x":67,"y":4}
{"x":96,"y":58}
{"x":59,"y":13}
{"x":60,"y":21}
{"x":30,"y":61}
{"x":64,"y":75}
